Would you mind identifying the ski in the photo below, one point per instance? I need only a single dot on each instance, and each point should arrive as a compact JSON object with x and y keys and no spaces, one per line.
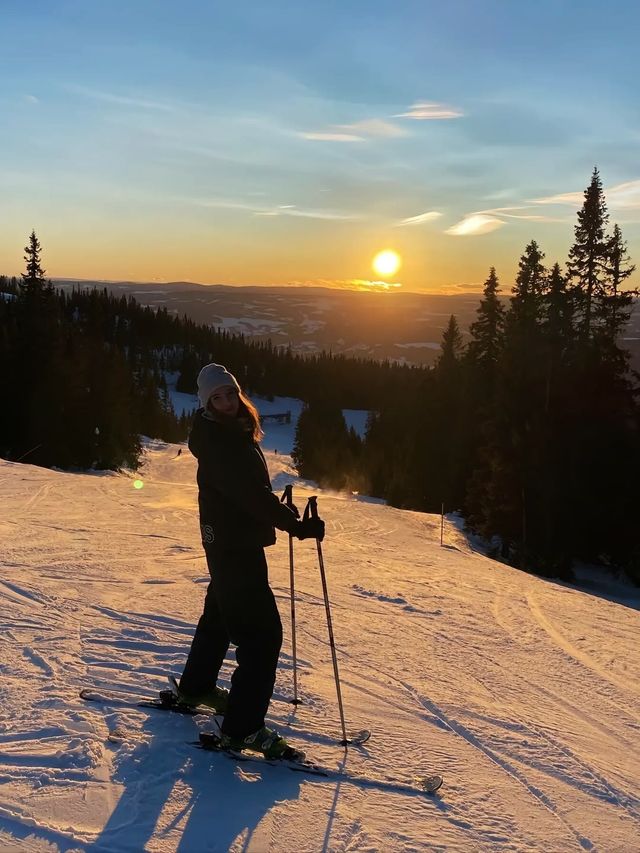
{"x":357,"y":738}
{"x":428,"y":784}
{"x":167,"y":701}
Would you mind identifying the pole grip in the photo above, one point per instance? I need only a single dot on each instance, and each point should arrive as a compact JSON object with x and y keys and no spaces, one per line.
{"x":311,"y":509}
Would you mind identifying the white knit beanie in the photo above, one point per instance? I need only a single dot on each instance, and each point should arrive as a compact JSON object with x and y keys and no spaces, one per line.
{"x":211,"y":377}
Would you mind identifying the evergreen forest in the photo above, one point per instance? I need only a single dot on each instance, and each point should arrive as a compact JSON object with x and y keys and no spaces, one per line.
{"x":528,"y":425}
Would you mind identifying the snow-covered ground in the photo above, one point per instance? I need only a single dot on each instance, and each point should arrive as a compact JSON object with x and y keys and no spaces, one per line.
{"x":523,"y":693}
{"x":278,"y":436}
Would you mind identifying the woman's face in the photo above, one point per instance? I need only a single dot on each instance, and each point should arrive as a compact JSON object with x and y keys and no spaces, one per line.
{"x":225,"y":400}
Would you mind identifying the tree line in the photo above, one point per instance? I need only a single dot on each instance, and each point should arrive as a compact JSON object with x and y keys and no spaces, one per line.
{"x":530,"y":427}
{"x":83,"y":373}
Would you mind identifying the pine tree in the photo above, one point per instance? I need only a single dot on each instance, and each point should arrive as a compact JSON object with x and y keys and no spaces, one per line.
{"x":591,"y":400}
{"x":529,"y":288}
{"x":38,"y":362}
{"x":559,"y":309}
{"x":615,"y":308}
{"x":506,"y":492}
{"x":435,"y":454}
{"x":482,"y":363}
{"x":323,"y":445}
{"x":33,"y":280}
{"x":589,"y":255}
{"x":487,"y":331}
{"x":619,"y":266}
{"x":557,"y":330}
{"x":522,"y":349}
{"x":302,"y":436}
{"x":190,"y":365}
{"x":450,"y":347}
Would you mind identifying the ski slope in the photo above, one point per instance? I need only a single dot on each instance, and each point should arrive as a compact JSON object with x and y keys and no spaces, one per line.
{"x":523,"y":693}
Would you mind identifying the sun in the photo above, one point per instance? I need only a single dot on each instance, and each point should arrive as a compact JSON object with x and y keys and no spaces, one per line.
{"x":387,"y":262}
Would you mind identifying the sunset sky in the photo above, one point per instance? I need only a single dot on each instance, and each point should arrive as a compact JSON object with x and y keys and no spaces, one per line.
{"x":267,"y":142}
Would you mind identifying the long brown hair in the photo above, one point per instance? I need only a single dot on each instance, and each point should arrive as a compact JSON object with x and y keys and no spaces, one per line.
{"x":249,"y":411}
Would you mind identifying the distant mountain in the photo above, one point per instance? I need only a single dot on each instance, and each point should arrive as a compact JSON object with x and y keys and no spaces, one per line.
{"x":403,"y":327}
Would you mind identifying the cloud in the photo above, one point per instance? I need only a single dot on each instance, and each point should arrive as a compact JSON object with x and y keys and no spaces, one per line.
{"x":32,"y":99}
{"x":364,"y":284}
{"x":475,"y":224}
{"x":533,"y":217}
{"x":229,"y":204}
{"x":348,"y":284}
{"x":624,"y":196}
{"x":374,"y":127}
{"x":326,"y":136}
{"x":292,"y":210}
{"x":425,"y":111}
{"x":486,"y":221}
{"x":358,"y":131}
{"x":421,"y":218}
{"x":278,"y":210}
{"x":562,"y":198}
{"x":470,"y":288}
{"x":121,"y":100}
{"x":506,"y":212}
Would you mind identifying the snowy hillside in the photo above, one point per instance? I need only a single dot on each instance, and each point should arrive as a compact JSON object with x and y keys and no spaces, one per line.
{"x":524,"y":694}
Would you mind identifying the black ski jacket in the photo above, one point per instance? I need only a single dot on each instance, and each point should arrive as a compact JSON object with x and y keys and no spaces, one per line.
{"x":237,"y":506}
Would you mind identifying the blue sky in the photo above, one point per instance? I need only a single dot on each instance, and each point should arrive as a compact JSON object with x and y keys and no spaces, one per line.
{"x":268,"y":142}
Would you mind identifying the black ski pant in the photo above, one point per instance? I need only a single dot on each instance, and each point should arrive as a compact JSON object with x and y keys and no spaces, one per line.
{"x":239,"y":608}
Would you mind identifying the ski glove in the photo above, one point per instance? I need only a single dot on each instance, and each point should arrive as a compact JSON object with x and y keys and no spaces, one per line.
{"x":310,"y":528}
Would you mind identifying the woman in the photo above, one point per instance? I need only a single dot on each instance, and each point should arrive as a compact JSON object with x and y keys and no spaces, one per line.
{"x":238,"y":514}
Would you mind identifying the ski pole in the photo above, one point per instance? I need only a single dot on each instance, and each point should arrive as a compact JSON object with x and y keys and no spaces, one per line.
{"x":287,"y":498}
{"x":312,"y":509}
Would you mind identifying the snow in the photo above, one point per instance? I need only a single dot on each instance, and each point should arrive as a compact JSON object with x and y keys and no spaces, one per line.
{"x":182,"y":403}
{"x":356,"y":418}
{"x":523,"y":693}
{"x":248,"y":325}
{"x":277,"y":436}
{"x":311,"y":326}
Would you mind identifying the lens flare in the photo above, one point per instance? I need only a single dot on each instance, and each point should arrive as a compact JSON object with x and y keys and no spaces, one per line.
{"x":138,"y":484}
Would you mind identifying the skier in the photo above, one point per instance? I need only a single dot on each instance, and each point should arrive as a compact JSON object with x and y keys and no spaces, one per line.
{"x":238,"y":513}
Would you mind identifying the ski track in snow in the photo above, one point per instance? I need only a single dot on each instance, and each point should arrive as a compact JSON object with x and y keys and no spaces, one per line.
{"x":509,"y":767}
{"x":595,"y":784}
{"x":522,"y":692}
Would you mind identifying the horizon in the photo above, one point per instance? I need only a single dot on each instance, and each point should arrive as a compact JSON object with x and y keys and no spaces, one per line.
{"x":215,"y":145}
{"x":351,"y":287}
{"x":454,"y":290}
